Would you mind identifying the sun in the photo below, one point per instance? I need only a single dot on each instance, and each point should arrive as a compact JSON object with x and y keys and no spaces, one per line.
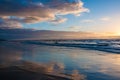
{"x":118,"y":34}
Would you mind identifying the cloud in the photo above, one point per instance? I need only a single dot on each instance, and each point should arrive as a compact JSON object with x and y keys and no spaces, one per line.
{"x":32,"y":11}
{"x":9,"y":24}
{"x":105,"y":19}
{"x":74,"y":28}
{"x":58,"y":20}
{"x":31,"y":34}
{"x":33,"y":19}
{"x":87,"y":21}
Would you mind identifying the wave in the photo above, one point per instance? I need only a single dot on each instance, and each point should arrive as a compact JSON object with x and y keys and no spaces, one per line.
{"x":101,"y":45}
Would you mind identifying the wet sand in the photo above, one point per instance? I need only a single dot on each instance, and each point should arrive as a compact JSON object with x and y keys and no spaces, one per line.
{"x":33,"y":71}
{"x":16,"y":73}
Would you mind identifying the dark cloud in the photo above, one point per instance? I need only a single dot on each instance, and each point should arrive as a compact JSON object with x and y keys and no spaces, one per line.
{"x":15,"y":12}
{"x":9,"y":24}
{"x":32,"y":34}
{"x":32,"y":11}
{"x":58,"y":20}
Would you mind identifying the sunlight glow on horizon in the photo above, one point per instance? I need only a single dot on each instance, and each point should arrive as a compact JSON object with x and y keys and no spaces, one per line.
{"x":118,"y":34}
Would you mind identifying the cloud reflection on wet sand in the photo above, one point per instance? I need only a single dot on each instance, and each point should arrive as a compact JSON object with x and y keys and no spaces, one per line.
{"x":50,"y":69}
{"x":11,"y":62}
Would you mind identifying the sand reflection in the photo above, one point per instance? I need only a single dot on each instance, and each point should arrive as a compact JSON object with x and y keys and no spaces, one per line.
{"x":12,"y":64}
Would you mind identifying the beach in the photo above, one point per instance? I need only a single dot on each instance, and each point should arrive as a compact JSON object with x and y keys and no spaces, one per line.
{"x":56,"y":62}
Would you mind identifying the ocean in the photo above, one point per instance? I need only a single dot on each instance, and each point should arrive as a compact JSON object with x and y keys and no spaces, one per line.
{"x":93,"y":59}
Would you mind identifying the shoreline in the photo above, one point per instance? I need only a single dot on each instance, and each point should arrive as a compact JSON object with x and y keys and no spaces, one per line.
{"x":34,"y":71}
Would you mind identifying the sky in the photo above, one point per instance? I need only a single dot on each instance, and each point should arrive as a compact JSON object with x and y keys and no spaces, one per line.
{"x":94,"y":16}
{"x":103,"y":16}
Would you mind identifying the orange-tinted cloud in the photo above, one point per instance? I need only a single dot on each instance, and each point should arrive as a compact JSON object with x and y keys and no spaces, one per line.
{"x":36,"y":11}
